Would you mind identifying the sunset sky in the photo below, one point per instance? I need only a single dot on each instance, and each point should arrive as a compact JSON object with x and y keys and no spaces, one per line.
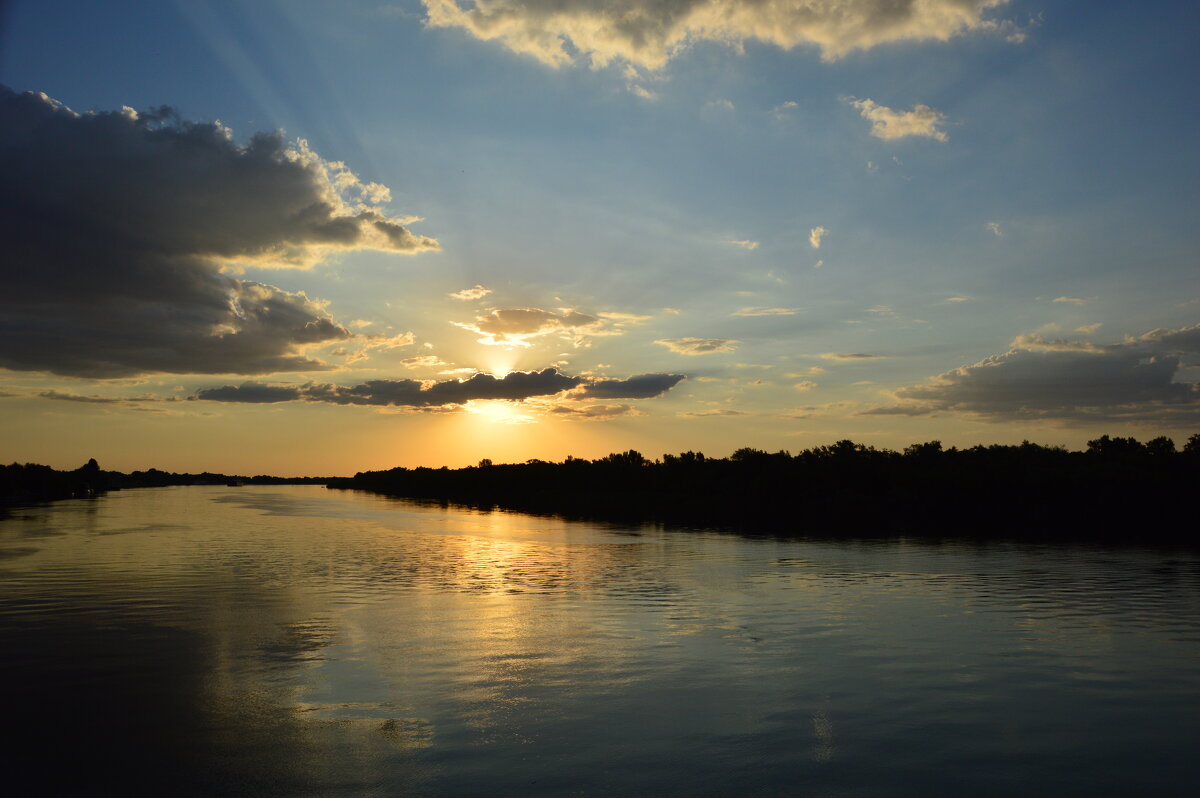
{"x":316,"y":237}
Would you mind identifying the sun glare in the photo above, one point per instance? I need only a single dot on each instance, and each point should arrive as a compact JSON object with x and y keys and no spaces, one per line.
{"x":499,"y":411}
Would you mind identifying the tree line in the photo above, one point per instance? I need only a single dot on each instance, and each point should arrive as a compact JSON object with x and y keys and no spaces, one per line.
{"x":27,"y":482}
{"x":1116,"y":489}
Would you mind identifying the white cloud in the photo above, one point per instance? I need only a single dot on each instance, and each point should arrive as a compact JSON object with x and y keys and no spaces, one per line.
{"x":805,"y":385}
{"x":994,"y":227}
{"x":815,"y":235}
{"x":746,"y":244}
{"x":478,"y":292}
{"x":782,"y":110}
{"x":719,"y":105}
{"x":889,"y":124}
{"x":1072,"y":300}
{"x":648,"y":33}
{"x":1088,"y":329}
{"x":698,"y":346}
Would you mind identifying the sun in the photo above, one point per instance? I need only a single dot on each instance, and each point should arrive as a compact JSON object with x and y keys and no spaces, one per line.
{"x":500,"y":412}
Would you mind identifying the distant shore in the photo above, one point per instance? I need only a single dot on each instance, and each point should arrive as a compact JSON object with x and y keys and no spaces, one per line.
{"x":31,"y":483}
{"x":1119,"y":489}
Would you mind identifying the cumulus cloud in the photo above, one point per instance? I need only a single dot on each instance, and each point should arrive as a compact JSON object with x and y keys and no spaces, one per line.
{"x":698,"y":346}
{"x":815,"y":235}
{"x":887,"y":123}
{"x":765,"y":312}
{"x":478,"y":292}
{"x":642,"y":386}
{"x":648,"y":33}
{"x":119,"y":231}
{"x":1066,"y":380}
{"x":518,"y":326}
{"x":516,"y":386}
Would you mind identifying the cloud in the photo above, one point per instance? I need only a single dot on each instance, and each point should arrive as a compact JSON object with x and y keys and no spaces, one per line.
{"x":423,"y":362}
{"x":815,"y":235}
{"x":994,"y":228}
{"x":119,"y":231}
{"x":712,"y":413}
{"x":1088,"y":329}
{"x":851,"y":356}
{"x":251,"y":393}
{"x":642,"y":386}
{"x":592,"y":412}
{"x":516,"y":386}
{"x":805,"y":385}
{"x":698,"y":346}
{"x":719,"y":105}
{"x":1072,"y":300}
{"x":783,"y":110}
{"x":765,"y":312}
{"x":649,"y":33}
{"x":517,"y":326}
{"x":888,"y":124}
{"x":478,"y":292}
{"x":747,"y":244}
{"x":1040,"y":379}
{"x":954,"y":299}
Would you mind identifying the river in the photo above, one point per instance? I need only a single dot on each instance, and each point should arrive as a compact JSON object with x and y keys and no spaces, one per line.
{"x":292,"y":640}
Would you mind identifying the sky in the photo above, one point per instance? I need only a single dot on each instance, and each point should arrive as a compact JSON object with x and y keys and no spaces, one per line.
{"x":317,"y":237}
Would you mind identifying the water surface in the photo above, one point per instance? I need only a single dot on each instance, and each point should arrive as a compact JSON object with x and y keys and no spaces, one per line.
{"x":298,"y":641}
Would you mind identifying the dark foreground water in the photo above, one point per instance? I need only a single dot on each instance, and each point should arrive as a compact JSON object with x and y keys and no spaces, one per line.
{"x":299,"y":641}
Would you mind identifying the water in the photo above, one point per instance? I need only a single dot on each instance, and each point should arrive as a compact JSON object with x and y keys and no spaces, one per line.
{"x":299,"y":641}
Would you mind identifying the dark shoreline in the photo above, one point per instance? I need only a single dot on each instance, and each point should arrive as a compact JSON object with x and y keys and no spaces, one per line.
{"x":1118,"y":491}
{"x":33,"y":484}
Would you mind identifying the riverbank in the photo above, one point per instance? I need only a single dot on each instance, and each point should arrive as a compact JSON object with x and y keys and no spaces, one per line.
{"x":31,"y":483}
{"x":1117,"y":490}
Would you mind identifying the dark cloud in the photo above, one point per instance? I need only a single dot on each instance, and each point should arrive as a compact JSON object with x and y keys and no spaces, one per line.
{"x":114,"y":228}
{"x":592,"y":412}
{"x":1054,"y":379}
{"x":515,"y":386}
{"x":642,"y":386}
{"x":250,"y":392}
